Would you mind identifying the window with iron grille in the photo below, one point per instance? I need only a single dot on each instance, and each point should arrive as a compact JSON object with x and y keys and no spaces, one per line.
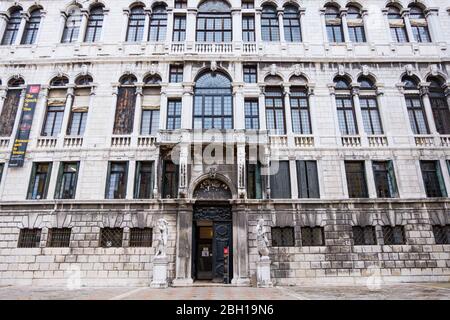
{"x":136,"y":23}
{"x":180,"y":4}
{"x":270,"y":30}
{"x":94,"y":25}
{"x":346,"y":115}
{"x":32,"y":27}
{"x":12,"y":27}
{"x":248,"y":28}
{"x":333,"y":24}
{"x":59,"y":237}
{"x":312,"y":236}
{"x":158,"y":24}
{"x":385,"y":184}
{"x":356,"y":179}
{"x":170,"y":180}
{"x":39,"y":181}
{"x":29,"y":238}
{"x":254,"y":180}
{"x":301,"y":121}
{"x":291,"y":24}
{"x":144,"y":180}
{"x":173,"y":114}
{"x":364,"y":236}
{"x":307,"y":179}
{"x":275,"y":110}
{"x":416,"y":114}
{"x":370,"y":115}
{"x":251,"y":110}
{"x":176,"y":73}
{"x":72,"y":26}
{"x":141,"y":237}
{"x":280,"y":180}
{"x":111,"y":237}
{"x":393,"y":235}
{"x":283,"y":237}
{"x":67,"y":180}
{"x":179,"y":28}
{"x":53,"y":121}
{"x":442,"y":234}
{"x":250,"y":74}
{"x":432,"y":179}
{"x":116,"y":186}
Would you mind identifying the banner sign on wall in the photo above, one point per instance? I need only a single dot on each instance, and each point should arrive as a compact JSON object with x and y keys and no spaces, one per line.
{"x":23,"y":132}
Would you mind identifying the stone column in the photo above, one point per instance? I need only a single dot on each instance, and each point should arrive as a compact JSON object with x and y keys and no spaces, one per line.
{"x":371,"y":188}
{"x":344,"y":25}
{"x":183,"y":171}
{"x":137,"y":111}
{"x":187,"y":105}
{"x":41,"y":24}
{"x":105,"y":23}
{"x":287,"y":108}
{"x":23,"y":22}
{"x":163,"y":109}
{"x":387,"y":27}
{"x":431,"y":15}
{"x":241,"y":169}
{"x":238,"y":109}
{"x":3,"y":92}
{"x":405,"y":15}
{"x":236,"y":16}
{"x":425,"y":93}
{"x":126,"y":16}
{"x":293,"y":177}
{"x":302,"y":25}
{"x":324,"y":27}
{"x":338,"y":132}
{"x":67,"y":112}
{"x":258,"y":12}
{"x":62,"y":24}
{"x":169,"y":29}
{"x":240,"y":246}
{"x":146,"y":36}
{"x":83,"y":25}
{"x":262,"y":107}
{"x":364,"y":16}
{"x":183,"y":259}
{"x":358,"y":114}
{"x":191,"y":23}
{"x":3,"y":23}
{"x":281,"y":24}
{"x":130,"y":179}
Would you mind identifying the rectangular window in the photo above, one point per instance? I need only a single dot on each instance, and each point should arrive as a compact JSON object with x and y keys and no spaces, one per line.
{"x":170,"y":180}
{"x":251,"y":114}
{"x":29,"y":238}
{"x":2,"y":166}
{"x":77,"y":123}
{"x":250,"y":74}
{"x":248,"y":28}
{"x":312,"y":236}
{"x":301,"y":121}
{"x":116,"y":185}
{"x":179,"y":29}
{"x":58,"y":237}
{"x":144,"y":180}
{"x":9,"y":112}
{"x":111,"y":237}
{"x":275,"y":110}
{"x":141,"y":237}
{"x":53,"y":121}
{"x":432,"y":179}
{"x":67,"y":180}
{"x":180,"y":4}
{"x":335,"y":33}
{"x":385,"y":184}
{"x":254,"y":181}
{"x":307,"y":179}
{"x":364,"y":236}
{"x":72,"y":28}
{"x":442,"y":234}
{"x":173,"y":114}
{"x":356,"y":34}
{"x":136,"y":24}
{"x":421,"y":33}
{"x":176,"y":73}
{"x":158,"y":24}
{"x":346,"y":116}
{"x":124,"y":117}
{"x":356,"y":179}
{"x":150,"y":122}
{"x":394,"y":235}
{"x":248,"y":4}
{"x":94,"y":26}
{"x":280,"y":180}
{"x":370,"y":115}
{"x":40,"y":178}
{"x":283,"y":237}
{"x":213,"y":28}
{"x":399,"y":34}
{"x":416,"y":114}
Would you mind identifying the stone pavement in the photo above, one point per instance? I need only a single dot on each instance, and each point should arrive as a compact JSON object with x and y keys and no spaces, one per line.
{"x":408,"y":291}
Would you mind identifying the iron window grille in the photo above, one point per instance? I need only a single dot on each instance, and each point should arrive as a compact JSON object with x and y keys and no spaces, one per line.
{"x":442,"y":234}
{"x":356,"y":179}
{"x":432,"y":179}
{"x":12,"y":27}
{"x":59,"y":237}
{"x":29,"y":238}
{"x":301,"y":119}
{"x":179,"y":28}
{"x":94,"y":25}
{"x":141,"y":237}
{"x":283,"y":237}
{"x":384,"y":176}
{"x":250,"y":74}
{"x":251,"y":110}
{"x":394,"y":235}
{"x":176,"y":73}
{"x":312,"y":236}
{"x":32,"y":27}
{"x":111,"y":237}
{"x":364,"y":236}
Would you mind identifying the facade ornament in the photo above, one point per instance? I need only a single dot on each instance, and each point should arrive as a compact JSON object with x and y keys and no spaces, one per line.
{"x":163,"y":234}
{"x":409,"y":69}
{"x":60,"y":71}
{"x":273,"y":69}
{"x":84,"y":70}
{"x":212,"y":173}
{"x":434,"y":70}
{"x":261,"y":240}
{"x":341,"y":70}
{"x":213,"y":66}
{"x":297,"y":70}
{"x":365,"y":70}
{"x":153,"y":69}
{"x":128,"y":69}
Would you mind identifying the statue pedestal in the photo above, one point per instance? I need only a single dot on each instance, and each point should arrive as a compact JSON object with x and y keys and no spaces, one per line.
{"x":263,"y":273}
{"x":160,"y":265}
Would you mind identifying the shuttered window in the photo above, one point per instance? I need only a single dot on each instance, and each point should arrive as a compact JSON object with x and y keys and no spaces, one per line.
{"x":385,"y":184}
{"x":280,"y":180}
{"x":9,"y":112}
{"x":126,"y":101}
{"x":433,"y":179}
{"x":307,"y":179}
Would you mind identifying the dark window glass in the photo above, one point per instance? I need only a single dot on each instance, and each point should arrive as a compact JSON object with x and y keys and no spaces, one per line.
{"x":170,"y":180}
{"x":283,"y":237}
{"x":384,"y":176}
{"x":270,"y":30}
{"x":250,"y":74}
{"x":94,"y":25}
{"x":394,"y":235}
{"x":432,"y":179}
{"x":291,"y":23}
{"x":248,"y":28}
{"x":59,"y":82}
{"x":301,"y":121}
{"x":150,"y":122}
{"x":333,"y":24}
{"x":58,"y":237}
{"x":53,"y":121}
{"x":116,"y":186}
{"x":12,"y":27}
{"x":356,"y":179}
{"x":307,"y":179}
{"x":254,"y":181}
{"x":251,"y":114}
{"x":357,"y":33}
{"x":419,"y":24}
{"x":111,"y":237}
{"x":441,"y":234}
{"x":136,"y":23}
{"x":141,"y":237}
{"x":144,"y":180}
{"x":179,"y":28}
{"x":72,"y":26}
{"x":370,"y":115}
{"x":346,"y":115}
{"x":32,"y":27}
{"x":77,"y":123}
{"x":355,"y":25}
{"x":176,"y":73}
{"x":275,"y":110}
{"x":416,"y":114}
{"x":364,"y":236}
{"x":40,"y":178}
{"x":180,"y":4}
{"x":440,"y":108}
{"x":173,"y":114}
{"x":280,"y":180}
{"x":67,"y":180}
{"x":158,"y":24}
{"x":2,"y":166}
{"x":214,"y":22}
{"x":312,"y":236}
{"x":29,"y":238}
{"x":248,"y":4}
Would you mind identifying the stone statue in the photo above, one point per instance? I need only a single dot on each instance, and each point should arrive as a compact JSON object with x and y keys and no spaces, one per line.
{"x":261,"y":240}
{"x":163,"y":233}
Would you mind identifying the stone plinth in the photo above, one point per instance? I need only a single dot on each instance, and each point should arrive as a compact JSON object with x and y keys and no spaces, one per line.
{"x":263,"y":273}
{"x":160,"y":265}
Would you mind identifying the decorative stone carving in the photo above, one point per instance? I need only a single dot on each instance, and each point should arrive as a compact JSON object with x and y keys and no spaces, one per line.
{"x":153,"y":69}
{"x":262,"y":241}
{"x":297,"y":70}
{"x":212,"y":189}
{"x":365,"y":70}
{"x":273,"y":69}
{"x":341,"y":70}
{"x":409,"y":69}
{"x":84,"y":70}
{"x":163,"y":233}
{"x":263,"y":264}
{"x":434,"y":70}
{"x":213,"y":66}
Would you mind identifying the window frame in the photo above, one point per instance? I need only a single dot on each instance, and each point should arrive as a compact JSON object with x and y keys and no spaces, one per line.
{"x":158,"y":24}
{"x":175,"y":75}
{"x":309,"y":235}
{"x":391,"y":182}
{"x":352,"y":176}
{"x":305,"y":181}
{"x":31,"y":29}
{"x":30,"y":194}
{"x":179,"y":28}
{"x":250,"y":116}
{"x":364,"y":231}
{"x":59,"y":191}
{"x":248,"y":28}
{"x":123,"y":184}
{"x":270,"y":28}
{"x":136,"y":24}
{"x":275,"y":95}
{"x":12,"y":27}
{"x":138,"y":179}
{"x":173,"y":121}
{"x":287,"y":234}
{"x":94,"y":25}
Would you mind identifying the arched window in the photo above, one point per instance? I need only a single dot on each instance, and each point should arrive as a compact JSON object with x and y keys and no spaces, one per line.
{"x":333,"y":23}
{"x":214,"y":22}
{"x":151,"y":103}
{"x":80,"y":106}
{"x":32,"y":27}
{"x":298,"y":98}
{"x":10,"y":106}
{"x":397,"y":25}
{"x":59,"y":81}
{"x":291,"y":22}
{"x":355,"y":24}
{"x":136,"y":23}
{"x":158,"y":23}
{"x":369,"y":106}
{"x":345,"y":107}
{"x":126,"y":102}
{"x":56,"y":105}
{"x":128,"y":80}
{"x":84,"y":80}
{"x":72,"y":25}
{"x":94,"y":25}
{"x":270,"y":30}
{"x":16,"y":82}
{"x":419,"y":24}
{"x":439,"y":106}
{"x":213,"y":102}
{"x":12,"y":26}
{"x":152,"y":79}
{"x":414,"y":105}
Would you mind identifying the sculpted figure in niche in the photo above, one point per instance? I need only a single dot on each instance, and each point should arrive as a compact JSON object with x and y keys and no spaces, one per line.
{"x":163,"y":233}
{"x":261,"y":240}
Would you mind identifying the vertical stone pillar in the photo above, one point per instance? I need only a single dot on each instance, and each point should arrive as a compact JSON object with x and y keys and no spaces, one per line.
{"x":344,"y":25}
{"x":191,"y":23}
{"x":431,"y":15}
{"x":364,"y":16}
{"x":324,"y":27}
{"x":18,"y":115}
{"x":83,"y":25}
{"x":262,"y":107}
{"x":23,"y":22}
{"x":236,"y":16}
{"x":130,"y":179}
{"x":281,"y":24}
{"x":302,"y":25}
{"x":183,"y":259}
{"x":137,"y":111}
{"x":258,"y":12}
{"x":387,"y":26}
{"x":169,"y":29}
{"x":3,"y":23}
{"x":425,"y":93}
{"x":287,"y":108}
{"x":187,"y":103}
{"x":62,"y":24}
{"x":39,"y":115}
{"x":66,"y":116}
{"x":293,"y":177}
{"x":238,"y":112}
{"x":240,"y":246}
{"x":126,"y":16}
{"x":183,"y":174}
{"x":3,"y":91}
{"x":405,"y":15}
{"x":371,"y":188}
{"x":105,"y":23}
{"x":163,"y":109}
{"x":146,"y":36}
{"x":241,"y":169}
